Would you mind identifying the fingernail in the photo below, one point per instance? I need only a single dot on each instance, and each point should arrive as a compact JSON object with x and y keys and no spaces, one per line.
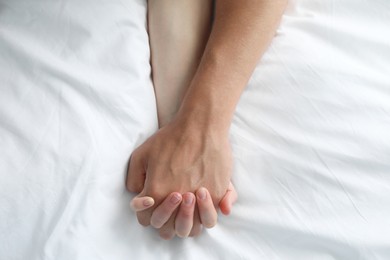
{"x":202,"y":193}
{"x":148,"y":202}
{"x":175,"y":199}
{"x":188,"y":199}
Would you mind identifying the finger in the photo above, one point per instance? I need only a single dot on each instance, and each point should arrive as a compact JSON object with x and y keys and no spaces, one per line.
{"x":164,"y":211}
{"x":228,"y":200}
{"x":167,"y":231}
{"x":141,"y":203}
{"x":185,"y":216}
{"x":197,"y":224}
{"x":207,"y":212}
{"x":144,"y":217}
{"x":136,"y":172}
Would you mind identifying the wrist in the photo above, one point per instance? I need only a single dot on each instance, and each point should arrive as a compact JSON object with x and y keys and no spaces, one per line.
{"x":204,"y":118}
{"x":212,"y":97}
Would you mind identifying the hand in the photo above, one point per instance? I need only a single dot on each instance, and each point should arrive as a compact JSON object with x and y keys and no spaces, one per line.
{"x":182,"y":156}
{"x":184,"y":223}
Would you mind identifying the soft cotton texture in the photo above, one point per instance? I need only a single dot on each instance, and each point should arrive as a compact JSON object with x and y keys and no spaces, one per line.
{"x":310,"y":137}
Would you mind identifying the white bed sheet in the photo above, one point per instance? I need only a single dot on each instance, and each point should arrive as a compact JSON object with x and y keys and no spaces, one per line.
{"x":311,"y":136}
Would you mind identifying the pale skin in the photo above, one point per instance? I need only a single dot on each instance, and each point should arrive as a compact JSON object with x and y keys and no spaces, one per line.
{"x":178,"y":34}
{"x":184,"y":222}
{"x":190,"y":155}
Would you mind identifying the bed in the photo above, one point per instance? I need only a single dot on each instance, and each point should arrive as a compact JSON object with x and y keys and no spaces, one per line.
{"x":310,"y":136}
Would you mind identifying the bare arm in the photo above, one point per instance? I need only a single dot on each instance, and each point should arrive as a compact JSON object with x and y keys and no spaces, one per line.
{"x":193,"y":151}
{"x":178,"y":33}
{"x":241,"y":33}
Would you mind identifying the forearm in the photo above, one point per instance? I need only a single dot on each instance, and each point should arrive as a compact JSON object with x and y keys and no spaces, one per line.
{"x":191,"y":151}
{"x":241,"y":33}
{"x":178,"y":32}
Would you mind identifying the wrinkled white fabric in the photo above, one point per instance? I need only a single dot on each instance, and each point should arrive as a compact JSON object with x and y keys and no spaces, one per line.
{"x":311,"y":136}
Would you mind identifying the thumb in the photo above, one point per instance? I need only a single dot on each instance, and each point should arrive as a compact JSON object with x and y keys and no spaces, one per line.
{"x":136,"y":171}
{"x":140,"y":203}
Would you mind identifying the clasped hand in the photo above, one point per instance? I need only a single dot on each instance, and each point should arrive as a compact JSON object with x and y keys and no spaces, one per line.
{"x":182,"y":174}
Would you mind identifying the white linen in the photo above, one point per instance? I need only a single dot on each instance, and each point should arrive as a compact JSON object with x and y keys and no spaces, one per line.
{"x":310,"y":136}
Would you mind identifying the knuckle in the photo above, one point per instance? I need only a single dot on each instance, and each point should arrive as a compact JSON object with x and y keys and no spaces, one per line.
{"x":210,"y":223}
{"x":143,"y":219}
{"x":143,"y":222}
{"x":155,"y":190}
{"x":196,"y":230}
{"x":131,"y":186}
{"x":166,"y":234}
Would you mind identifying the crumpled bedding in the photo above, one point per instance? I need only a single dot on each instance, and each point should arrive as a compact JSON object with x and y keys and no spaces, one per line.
{"x":310,"y":136}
